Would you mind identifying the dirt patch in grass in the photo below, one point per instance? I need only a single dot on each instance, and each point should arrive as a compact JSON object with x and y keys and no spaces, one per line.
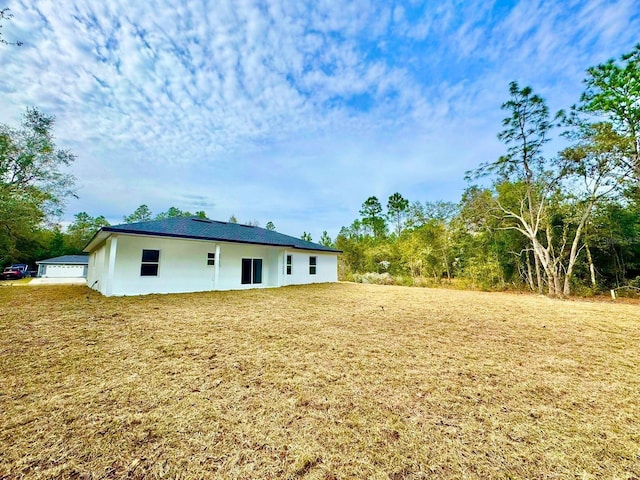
{"x":329,"y":381}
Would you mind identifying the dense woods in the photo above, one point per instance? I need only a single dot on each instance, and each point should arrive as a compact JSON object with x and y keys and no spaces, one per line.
{"x":473,"y":244}
{"x":559,"y":223}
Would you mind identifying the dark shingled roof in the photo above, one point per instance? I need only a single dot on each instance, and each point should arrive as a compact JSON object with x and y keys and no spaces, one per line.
{"x":67,"y":260}
{"x":205,"y":229}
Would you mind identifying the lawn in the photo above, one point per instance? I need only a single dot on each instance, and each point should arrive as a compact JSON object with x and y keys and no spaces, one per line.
{"x":329,"y":382}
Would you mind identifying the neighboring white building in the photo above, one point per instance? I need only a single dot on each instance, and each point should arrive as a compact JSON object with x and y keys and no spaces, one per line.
{"x":66,"y":266}
{"x":179,"y":255}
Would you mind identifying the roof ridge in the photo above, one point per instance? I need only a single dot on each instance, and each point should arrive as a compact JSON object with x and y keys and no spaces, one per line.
{"x":198,"y":228}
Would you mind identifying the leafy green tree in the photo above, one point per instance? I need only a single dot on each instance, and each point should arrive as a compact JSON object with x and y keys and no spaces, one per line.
{"x":233,"y":219}
{"x":172,"y":212}
{"x":350,"y":241}
{"x":56,"y":244}
{"x":33,"y":181}
{"x":270,"y":226}
{"x":613,"y":91}
{"x":382,"y":256}
{"x":597,"y":161}
{"x":20,"y":216}
{"x":141,"y":214}
{"x":397,"y":207}
{"x":418,"y":252}
{"x":373,"y":218}
{"x":175,"y":212}
{"x":615,"y":242}
{"x":325,"y":239}
{"x":53,"y":243}
{"x":484,"y":254}
{"x":420,"y":213}
{"x":83,"y":227}
{"x":526,"y":131}
{"x":306,"y":237}
{"x":31,"y":165}
{"x":355,"y":231}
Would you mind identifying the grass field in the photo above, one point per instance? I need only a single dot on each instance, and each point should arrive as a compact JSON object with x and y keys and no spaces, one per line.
{"x":330,"y":382}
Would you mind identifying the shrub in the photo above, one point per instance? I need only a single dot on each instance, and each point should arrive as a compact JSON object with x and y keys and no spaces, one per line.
{"x":372,"y":277}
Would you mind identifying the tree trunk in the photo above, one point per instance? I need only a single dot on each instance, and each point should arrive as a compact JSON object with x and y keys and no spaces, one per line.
{"x":543,"y":255}
{"x":446,"y":264}
{"x":558,"y":284}
{"x":592,"y":269}
{"x":532,"y":223}
{"x":538,"y":274}
{"x":573,"y":255}
{"x":529,"y":272}
{"x":636,"y":155}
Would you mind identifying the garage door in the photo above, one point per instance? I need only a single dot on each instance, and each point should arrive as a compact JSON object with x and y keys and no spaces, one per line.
{"x":64,"y":271}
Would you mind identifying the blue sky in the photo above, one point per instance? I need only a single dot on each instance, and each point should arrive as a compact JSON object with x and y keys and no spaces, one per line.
{"x":291,"y":111}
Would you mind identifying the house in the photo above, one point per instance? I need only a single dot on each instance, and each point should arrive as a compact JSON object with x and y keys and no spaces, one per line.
{"x":66,"y":266}
{"x":177,"y":255}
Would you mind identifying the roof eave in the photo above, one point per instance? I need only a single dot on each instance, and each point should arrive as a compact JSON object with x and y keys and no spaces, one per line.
{"x":98,"y":238}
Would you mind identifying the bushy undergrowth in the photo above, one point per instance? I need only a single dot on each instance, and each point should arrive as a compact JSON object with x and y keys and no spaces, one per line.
{"x":476,"y":281}
{"x":375,"y":278}
{"x":406,"y":280}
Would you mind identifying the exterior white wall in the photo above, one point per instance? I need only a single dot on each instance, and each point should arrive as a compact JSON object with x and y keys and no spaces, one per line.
{"x":231,"y":255}
{"x":183,"y":266}
{"x":96,"y":273}
{"x":326,"y":268}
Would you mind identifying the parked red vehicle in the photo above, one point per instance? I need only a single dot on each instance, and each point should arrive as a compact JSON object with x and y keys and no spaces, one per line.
{"x":15,"y":271}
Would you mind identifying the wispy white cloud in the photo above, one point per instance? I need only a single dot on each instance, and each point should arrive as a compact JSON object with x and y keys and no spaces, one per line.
{"x":289,"y":111}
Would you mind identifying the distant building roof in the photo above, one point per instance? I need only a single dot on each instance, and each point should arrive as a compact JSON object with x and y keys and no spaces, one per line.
{"x":66,"y":260}
{"x":205,"y":229}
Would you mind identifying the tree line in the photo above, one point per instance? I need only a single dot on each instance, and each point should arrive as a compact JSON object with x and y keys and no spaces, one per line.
{"x":550,"y":223}
{"x":547,"y":223}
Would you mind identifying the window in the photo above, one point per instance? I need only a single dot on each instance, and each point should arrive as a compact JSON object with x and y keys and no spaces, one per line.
{"x":251,"y":270}
{"x":288,"y":264}
{"x":313,"y":262}
{"x":211,"y":258}
{"x":150,"y":262}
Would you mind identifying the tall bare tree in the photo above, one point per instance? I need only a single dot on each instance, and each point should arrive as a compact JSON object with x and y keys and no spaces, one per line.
{"x":526,"y":132}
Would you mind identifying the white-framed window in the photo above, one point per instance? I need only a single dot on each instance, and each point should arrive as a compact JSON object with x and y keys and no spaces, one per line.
{"x":150,"y":263}
{"x":313,"y":263}
{"x":289,"y":264}
{"x":211,"y":259}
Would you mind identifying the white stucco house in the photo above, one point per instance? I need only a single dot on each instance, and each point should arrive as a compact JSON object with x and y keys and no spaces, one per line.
{"x":66,"y":266}
{"x":179,"y":255}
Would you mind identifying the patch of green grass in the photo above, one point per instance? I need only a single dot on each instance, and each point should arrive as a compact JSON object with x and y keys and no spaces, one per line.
{"x":324,"y":381}
{"x":10,"y":283}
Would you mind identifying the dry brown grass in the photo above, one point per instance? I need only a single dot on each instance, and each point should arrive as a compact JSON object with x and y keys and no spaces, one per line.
{"x":317,"y":382}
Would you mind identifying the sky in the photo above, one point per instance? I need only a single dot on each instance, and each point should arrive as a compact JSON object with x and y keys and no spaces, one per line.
{"x":290,"y":111}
